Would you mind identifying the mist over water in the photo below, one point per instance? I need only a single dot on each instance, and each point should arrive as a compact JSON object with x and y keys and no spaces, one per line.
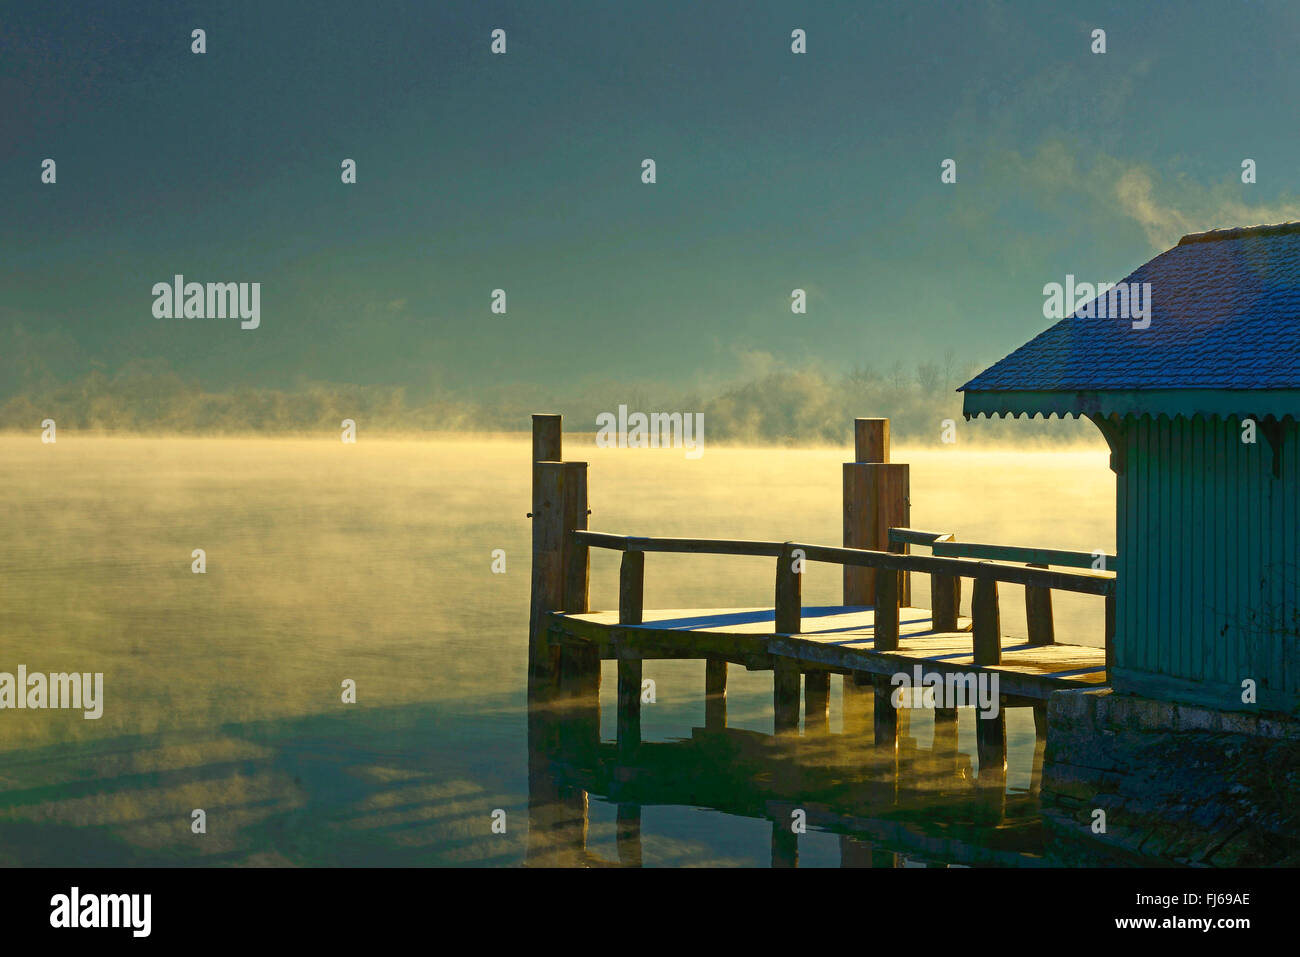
{"x":372,"y":562}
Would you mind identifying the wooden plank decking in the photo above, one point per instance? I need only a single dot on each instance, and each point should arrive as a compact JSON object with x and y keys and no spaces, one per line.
{"x":834,"y":638}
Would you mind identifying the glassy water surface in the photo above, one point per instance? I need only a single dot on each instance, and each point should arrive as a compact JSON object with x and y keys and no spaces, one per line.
{"x":373,"y":563}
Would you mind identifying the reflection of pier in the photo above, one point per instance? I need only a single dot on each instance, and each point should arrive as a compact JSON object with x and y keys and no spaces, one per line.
{"x":874,"y":635}
{"x":891,"y":804}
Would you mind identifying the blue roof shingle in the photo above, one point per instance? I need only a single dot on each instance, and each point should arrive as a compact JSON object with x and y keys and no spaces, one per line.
{"x":1225,"y":314}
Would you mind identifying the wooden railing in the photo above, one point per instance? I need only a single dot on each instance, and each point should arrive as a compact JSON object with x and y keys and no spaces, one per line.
{"x":1038,"y":600}
{"x":986,"y":625}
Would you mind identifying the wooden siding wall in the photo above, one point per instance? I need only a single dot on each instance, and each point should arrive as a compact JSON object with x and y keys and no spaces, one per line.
{"x":1209,"y":563}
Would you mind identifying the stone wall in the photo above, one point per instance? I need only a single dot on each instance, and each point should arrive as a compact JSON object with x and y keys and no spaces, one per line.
{"x":1178,"y":784}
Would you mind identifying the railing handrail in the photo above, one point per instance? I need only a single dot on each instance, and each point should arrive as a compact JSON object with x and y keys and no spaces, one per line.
{"x":1085,"y":582}
{"x":941,"y":544}
{"x":916,"y":536}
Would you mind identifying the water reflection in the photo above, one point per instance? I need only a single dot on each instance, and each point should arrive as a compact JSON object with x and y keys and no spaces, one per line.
{"x":891,"y":802}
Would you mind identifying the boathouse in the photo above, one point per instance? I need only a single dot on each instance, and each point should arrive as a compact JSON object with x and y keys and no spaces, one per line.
{"x":1198,"y":401}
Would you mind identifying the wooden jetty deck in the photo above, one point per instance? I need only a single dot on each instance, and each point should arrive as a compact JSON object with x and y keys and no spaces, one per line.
{"x":874,"y":636}
{"x":840,"y":639}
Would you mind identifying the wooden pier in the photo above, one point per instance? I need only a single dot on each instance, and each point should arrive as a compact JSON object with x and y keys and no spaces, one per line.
{"x":874,"y":635}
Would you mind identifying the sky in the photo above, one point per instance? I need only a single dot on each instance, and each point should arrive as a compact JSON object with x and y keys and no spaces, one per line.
{"x":522,"y":171}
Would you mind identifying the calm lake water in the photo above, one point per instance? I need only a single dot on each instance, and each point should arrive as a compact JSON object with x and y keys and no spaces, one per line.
{"x":372,"y":563}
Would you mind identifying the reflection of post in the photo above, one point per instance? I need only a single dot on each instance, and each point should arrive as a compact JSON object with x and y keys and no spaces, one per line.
{"x":785,"y":695}
{"x":991,"y":746}
{"x":816,"y":702}
{"x":579,"y":660}
{"x":715,"y":694}
{"x":945,"y":745}
{"x":785,"y":844}
{"x":557,"y":816}
{"x":1040,"y":748}
{"x":853,"y":852}
{"x":857,"y":698}
{"x":885,"y":715}
{"x":629,"y":835}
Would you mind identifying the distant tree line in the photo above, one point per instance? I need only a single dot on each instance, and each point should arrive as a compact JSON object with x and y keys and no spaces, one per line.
{"x":794,"y":405}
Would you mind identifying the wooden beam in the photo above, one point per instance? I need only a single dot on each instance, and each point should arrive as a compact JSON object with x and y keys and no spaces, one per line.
{"x":915,"y":536}
{"x":1084,"y":582}
{"x":1034,"y":557}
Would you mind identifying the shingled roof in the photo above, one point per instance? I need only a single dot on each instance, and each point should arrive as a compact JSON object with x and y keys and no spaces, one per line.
{"x":1224,"y":339}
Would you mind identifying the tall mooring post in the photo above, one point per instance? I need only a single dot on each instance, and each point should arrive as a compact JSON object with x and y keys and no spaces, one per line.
{"x":560,"y":565}
{"x":876,"y":499}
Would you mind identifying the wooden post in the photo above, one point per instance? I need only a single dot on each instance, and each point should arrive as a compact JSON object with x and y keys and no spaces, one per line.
{"x":577,"y":572}
{"x":785,"y":695}
{"x":875,"y":500}
{"x":547,"y":442}
{"x":1038,"y":613}
{"x":546,"y":585}
{"x":715,"y":694}
{"x":871,"y":440}
{"x":579,"y":663}
{"x":631,"y":590}
{"x":788,"y":592}
{"x":816,"y":701}
{"x":886,"y":610}
{"x":547,"y":571}
{"x":945,"y":599}
{"x":987,"y":627}
{"x":990,"y":733}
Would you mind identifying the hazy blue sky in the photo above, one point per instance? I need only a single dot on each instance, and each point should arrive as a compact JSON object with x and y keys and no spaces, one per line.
{"x":522,"y":171}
